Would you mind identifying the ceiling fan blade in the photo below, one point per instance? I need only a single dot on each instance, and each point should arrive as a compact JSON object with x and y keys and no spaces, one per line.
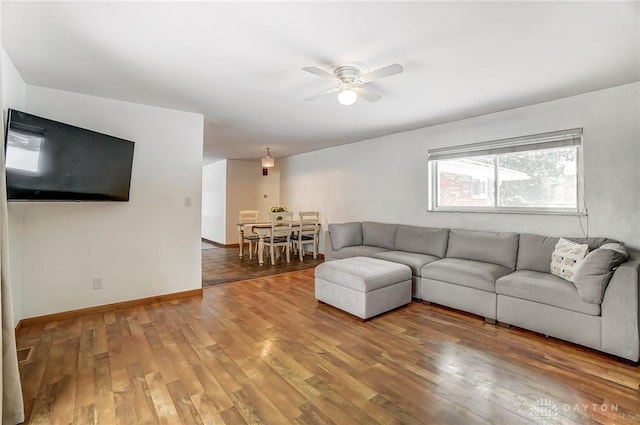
{"x":319,"y":72}
{"x":367,"y":94}
{"x":387,"y":71}
{"x":315,"y":96}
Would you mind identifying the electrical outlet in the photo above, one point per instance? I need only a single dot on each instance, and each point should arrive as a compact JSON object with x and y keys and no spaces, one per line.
{"x":187,"y":202}
{"x":97,"y":283}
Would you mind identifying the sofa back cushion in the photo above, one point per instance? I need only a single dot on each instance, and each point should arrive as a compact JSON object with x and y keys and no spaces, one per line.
{"x":382,"y":235}
{"x":345,"y":234}
{"x":490,"y":247}
{"x":593,"y":273}
{"x":534,"y":251}
{"x":422,"y":240}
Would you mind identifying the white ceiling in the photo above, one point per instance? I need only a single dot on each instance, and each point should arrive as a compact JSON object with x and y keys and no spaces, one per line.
{"x":240,"y":63}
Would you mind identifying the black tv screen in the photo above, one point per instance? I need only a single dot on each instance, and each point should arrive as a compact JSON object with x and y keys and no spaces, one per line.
{"x":48,"y":160}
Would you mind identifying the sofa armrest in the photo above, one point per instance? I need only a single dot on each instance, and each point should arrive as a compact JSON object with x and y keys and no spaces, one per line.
{"x":328,"y":247}
{"x":621,"y":312}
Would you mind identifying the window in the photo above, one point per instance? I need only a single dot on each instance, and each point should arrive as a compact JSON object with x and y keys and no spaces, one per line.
{"x":479,"y":188}
{"x":539,"y":173}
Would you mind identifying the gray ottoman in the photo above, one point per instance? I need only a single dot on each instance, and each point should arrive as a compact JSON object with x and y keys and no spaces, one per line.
{"x":363,"y":286}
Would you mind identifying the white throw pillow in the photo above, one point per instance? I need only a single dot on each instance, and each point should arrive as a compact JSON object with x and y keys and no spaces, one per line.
{"x":565,"y":258}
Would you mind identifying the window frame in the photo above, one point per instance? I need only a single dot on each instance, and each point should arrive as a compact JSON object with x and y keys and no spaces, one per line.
{"x":536,"y":142}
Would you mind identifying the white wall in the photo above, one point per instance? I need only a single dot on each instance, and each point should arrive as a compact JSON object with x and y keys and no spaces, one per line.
{"x":13,"y":96}
{"x":13,"y":86}
{"x":214,"y":195}
{"x":385,"y":179}
{"x":233,"y":185}
{"x":242,"y":193}
{"x":267,"y":191}
{"x":145,"y":247}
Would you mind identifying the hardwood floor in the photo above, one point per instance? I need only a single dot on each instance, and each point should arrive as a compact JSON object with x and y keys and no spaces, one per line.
{"x":223,"y":265}
{"x":264,"y":352}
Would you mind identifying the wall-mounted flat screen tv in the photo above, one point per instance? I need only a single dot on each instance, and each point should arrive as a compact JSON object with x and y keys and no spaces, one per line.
{"x":48,"y":160}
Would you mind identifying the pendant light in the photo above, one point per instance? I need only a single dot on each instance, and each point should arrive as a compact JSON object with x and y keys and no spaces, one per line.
{"x":268,"y":161}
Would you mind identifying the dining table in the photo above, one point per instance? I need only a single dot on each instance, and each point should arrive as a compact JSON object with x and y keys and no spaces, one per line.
{"x":262,"y":230}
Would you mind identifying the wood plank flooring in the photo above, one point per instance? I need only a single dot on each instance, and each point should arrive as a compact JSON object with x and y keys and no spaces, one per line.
{"x":223,"y":265}
{"x":264,"y":352}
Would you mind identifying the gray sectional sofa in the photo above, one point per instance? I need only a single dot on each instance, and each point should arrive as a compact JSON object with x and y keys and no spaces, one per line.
{"x":504,"y":277}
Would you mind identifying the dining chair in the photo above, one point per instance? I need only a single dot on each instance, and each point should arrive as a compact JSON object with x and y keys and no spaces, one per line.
{"x":307,"y":233}
{"x":249,"y":217}
{"x":280,"y":235}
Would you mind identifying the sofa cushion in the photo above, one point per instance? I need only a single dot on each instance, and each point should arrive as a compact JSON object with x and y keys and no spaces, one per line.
{"x":474,"y":274}
{"x":379,"y":234}
{"x":413,"y":260}
{"x":423,"y":240}
{"x":345,"y":234}
{"x":534,"y":251}
{"x":592,"y":274}
{"x":364,"y":274}
{"x":357,"y":251}
{"x":545,"y":288}
{"x":565,"y":258}
{"x":488,"y":247}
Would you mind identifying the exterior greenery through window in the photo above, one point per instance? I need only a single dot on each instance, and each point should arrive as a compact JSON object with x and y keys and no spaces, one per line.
{"x":539,"y":173}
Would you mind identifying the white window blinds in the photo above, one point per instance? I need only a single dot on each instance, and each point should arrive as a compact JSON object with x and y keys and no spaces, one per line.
{"x":550,"y":140}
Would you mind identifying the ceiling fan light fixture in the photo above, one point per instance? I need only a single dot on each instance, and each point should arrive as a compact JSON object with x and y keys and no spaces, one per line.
{"x":352,"y":79}
{"x":268,"y":161}
{"x":347,"y":97}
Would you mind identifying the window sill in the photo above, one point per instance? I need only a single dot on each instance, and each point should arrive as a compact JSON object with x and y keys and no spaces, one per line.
{"x":510,"y":211}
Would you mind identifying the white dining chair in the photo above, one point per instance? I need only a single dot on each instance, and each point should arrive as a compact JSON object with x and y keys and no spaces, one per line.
{"x":249,"y":217}
{"x":308,"y":233}
{"x":280,"y":235}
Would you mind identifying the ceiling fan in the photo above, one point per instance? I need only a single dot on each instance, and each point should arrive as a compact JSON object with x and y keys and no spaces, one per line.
{"x":351,"y":78}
